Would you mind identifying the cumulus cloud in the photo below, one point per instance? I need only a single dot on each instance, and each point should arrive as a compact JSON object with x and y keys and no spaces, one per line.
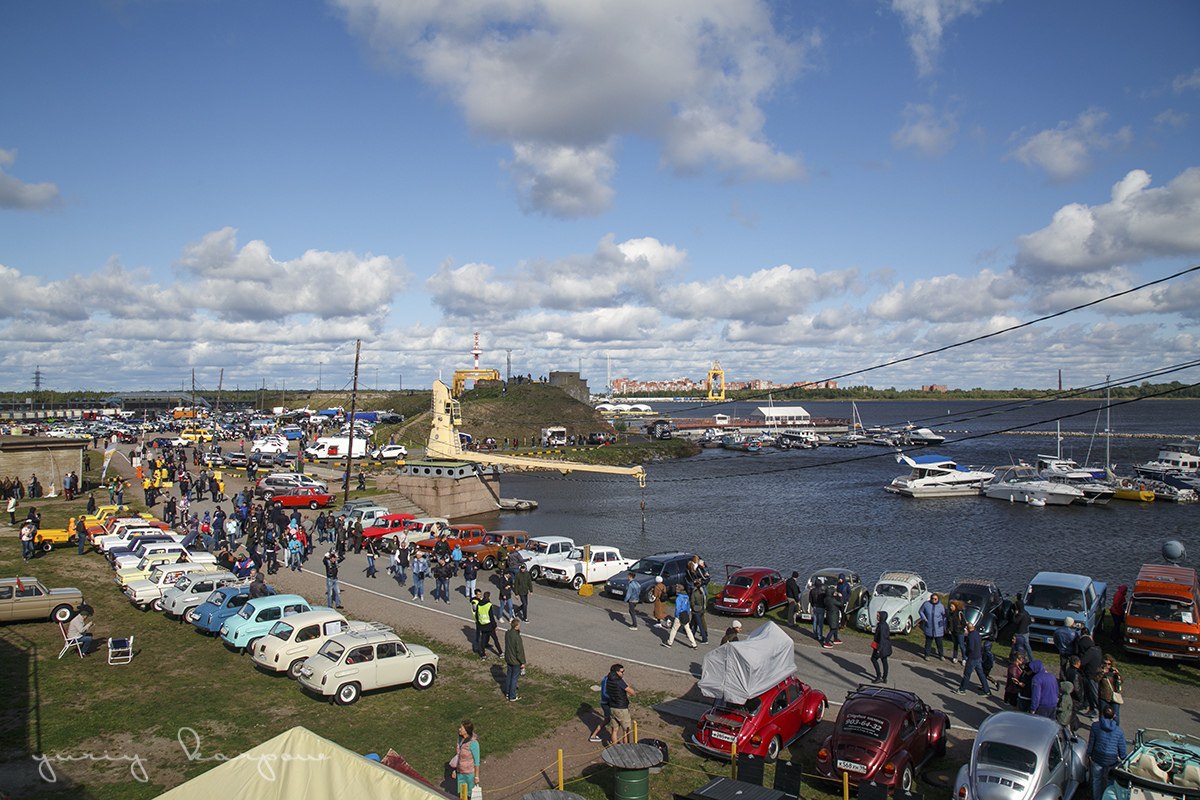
{"x":1170,"y":118}
{"x":949,"y":298}
{"x":929,"y":133}
{"x":18,"y":195}
{"x":1138,"y":223}
{"x":926,"y":22}
{"x":561,"y":81}
{"x":765,"y":296}
{"x":1065,"y":151}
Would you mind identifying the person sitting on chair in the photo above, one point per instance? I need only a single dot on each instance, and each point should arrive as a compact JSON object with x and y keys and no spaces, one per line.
{"x":81,"y":628}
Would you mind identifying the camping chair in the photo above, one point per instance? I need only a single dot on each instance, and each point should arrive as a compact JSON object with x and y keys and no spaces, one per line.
{"x":69,"y":642}
{"x":120,"y":651}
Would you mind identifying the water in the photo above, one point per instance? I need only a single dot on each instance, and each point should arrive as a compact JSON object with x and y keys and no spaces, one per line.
{"x":806,"y":509}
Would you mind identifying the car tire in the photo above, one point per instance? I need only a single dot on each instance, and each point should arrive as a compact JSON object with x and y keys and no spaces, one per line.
{"x":184,"y":615}
{"x":774,"y":748}
{"x":906,"y":779}
{"x":425,"y":677}
{"x":908,"y":626}
{"x":47,"y":546}
{"x":535,"y":572}
{"x":157,"y":605}
{"x":489,"y":563}
{"x":760,"y":609}
{"x":313,"y":505}
{"x":347,"y":694}
{"x":577,"y":582}
{"x":62,"y":613}
{"x":294,"y":668}
{"x":940,"y":750}
{"x":250,"y":645}
{"x":267,"y":495}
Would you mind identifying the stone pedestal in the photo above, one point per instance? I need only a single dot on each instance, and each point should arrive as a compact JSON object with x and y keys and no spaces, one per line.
{"x":450,"y":489}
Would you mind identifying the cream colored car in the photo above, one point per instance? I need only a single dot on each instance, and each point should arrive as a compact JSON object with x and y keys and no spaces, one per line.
{"x":360,"y":661}
{"x":148,"y":593}
{"x":299,"y":636}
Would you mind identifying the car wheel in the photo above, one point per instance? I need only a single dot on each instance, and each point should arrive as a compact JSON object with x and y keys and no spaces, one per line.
{"x":908,"y":626}
{"x":774,"y":747}
{"x":906,"y":778}
{"x":47,"y":546}
{"x":424,"y":677}
{"x":157,"y":605}
{"x":185,"y":614}
{"x":489,"y":563}
{"x":250,"y":645}
{"x":313,"y":505}
{"x":294,"y":668}
{"x":267,"y":495}
{"x":62,"y":613}
{"x":940,"y":751}
{"x":535,"y":572}
{"x":577,"y":582}
{"x":347,"y":694}
{"x":760,"y":608}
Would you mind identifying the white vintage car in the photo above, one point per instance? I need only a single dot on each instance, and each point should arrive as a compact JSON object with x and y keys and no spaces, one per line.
{"x":355,"y":662}
{"x":148,"y":592}
{"x":587,"y":564}
{"x":294,"y":639}
{"x":898,"y":594}
{"x":543,"y":550}
{"x":192,"y":589}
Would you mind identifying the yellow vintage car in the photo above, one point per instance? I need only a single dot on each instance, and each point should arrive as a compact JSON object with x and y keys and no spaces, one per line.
{"x":142,"y":570}
{"x":49,"y":538}
{"x":196,"y":434}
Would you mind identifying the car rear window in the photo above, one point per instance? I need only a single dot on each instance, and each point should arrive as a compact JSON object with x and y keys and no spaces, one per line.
{"x":1007,"y":756}
{"x":865,"y":725}
{"x":281,"y":630}
{"x":332,"y":650}
{"x":741,"y":581}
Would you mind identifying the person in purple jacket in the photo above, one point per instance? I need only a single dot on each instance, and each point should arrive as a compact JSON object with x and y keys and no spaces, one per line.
{"x":1044,"y":702}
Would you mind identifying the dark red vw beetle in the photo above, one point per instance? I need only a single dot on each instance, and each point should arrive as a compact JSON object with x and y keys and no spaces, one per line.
{"x":751,"y":590}
{"x":763,"y":725}
{"x":883,"y":735}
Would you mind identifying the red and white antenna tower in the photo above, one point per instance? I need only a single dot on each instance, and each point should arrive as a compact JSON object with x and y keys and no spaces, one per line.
{"x":475,"y":351}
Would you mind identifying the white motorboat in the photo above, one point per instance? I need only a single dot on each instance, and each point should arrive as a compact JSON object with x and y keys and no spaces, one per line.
{"x":1177,"y":463}
{"x":938,"y":476}
{"x":921,"y":436}
{"x":1020,"y":482}
{"x":799,"y":437}
{"x":1068,"y":471}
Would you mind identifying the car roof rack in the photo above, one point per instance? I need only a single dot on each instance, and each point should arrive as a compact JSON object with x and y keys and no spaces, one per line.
{"x":980,"y":581}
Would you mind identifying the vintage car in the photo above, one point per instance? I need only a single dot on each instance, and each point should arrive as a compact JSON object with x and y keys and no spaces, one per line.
{"x":148,"y":593}
{"x":280,"y":482}
{"x":594,"y":563}
{"x":883,"y":735}
{"x":137,"y":544}
{"x":258,"y":616}
{"x":142,"y":568}
{"x":759,"y":704}
{"x":156,"y":547}
{"x":191,"y":590}
{"x":209,"y":616}
{"x":1019,"y":756}
{"x":899,"y":594}
{"x":27,"y":599}
{"x":859,"y":594}
{"x":1159,"y":766}
{"x":126,"y":533}
{"x":269,"y":445}
{"x":49,"y":538}
{"x":302,"y":497}
{"x":461,"y":535}
{"x":671,"y":567}
{"x":1052,"y":597}
{"x":361,"y":661}
{"x":750,"y":590}
{"x":984,"y":605}
{"x":487,"y":552}
{"x":542,"y":550}
{"x":390,"y":529}
{"x":292,"y":640}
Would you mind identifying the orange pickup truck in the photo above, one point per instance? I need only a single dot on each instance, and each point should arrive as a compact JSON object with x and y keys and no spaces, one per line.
{"x":1161,"y":616}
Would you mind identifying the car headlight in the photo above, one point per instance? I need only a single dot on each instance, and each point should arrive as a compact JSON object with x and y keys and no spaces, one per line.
{"x":1188,"y":637}
{"x":895,"y":620}
{"x":1134,"y":631}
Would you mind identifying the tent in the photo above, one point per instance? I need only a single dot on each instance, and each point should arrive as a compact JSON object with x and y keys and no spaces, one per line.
{"x":737,"y":671}
{"x":299,"y":763}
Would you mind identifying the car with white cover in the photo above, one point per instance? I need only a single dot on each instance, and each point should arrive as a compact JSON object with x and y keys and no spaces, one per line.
{"x":1019,"y":756}
{"x":592,"y":563}
{"x":361,"y":661}
{"x":899,"y":594}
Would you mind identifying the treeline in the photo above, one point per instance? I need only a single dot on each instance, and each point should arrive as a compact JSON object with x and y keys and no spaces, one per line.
{"x":1175,"y":389}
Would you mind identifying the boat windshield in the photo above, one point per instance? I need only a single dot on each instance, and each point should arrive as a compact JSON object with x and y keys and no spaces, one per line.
{"x":1163,"y":609}
{"x":891,"y":590}
{"x":1006,"y":756}
{"x":1055,"y":598}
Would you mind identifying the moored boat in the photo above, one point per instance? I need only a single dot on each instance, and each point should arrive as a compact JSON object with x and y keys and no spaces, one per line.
{"x":1020,"y":483}
{"x":938,"y":476}
{"x":1131,"y":489}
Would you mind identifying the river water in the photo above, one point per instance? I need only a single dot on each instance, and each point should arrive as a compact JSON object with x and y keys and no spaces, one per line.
{"x":806,"y":509}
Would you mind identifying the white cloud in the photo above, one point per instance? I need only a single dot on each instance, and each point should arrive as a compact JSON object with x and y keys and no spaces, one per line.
{"x":1137,"y":224}
{"x":1186,"y":82}
{"x":949,"y":298}
{"x":562,"y":80}
{"x":1170,"y":118}
{"x":1065,"y":151}
{"x":927,"y":132}
{"x":926,"y":22}
{"x":765,"y":297}
{"x":17,"y":195}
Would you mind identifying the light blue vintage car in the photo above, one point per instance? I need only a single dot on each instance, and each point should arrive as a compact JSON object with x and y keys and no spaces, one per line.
{"x":258,"y":616}
{"x":1160,"y":766}
{"x":1054,"y":597}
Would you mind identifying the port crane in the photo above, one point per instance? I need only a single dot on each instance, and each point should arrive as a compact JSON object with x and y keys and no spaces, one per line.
{"x":445,"y":443}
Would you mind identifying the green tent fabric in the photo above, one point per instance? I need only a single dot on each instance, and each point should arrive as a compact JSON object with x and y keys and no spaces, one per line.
{"x":299,"y":763}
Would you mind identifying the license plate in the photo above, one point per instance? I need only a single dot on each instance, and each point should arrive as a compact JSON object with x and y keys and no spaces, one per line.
{"x":851,"y":766}
{"x":1157,"y":654}
{"x":724,"y":737}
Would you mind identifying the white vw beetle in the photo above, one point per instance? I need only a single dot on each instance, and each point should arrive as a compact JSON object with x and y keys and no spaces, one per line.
{"x":898,"y":594}
{"x":355,"y":662}
{"x":294,"y":639}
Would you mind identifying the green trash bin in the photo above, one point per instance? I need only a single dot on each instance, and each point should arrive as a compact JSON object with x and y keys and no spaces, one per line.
{"x":632,"y":784}
{"x":631,"y":765}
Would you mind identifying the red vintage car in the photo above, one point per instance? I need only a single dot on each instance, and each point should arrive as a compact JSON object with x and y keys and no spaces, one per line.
{"x":300,"y":496}
{"x":883,"y":735}
{"x":763,"y":725}
{"x":386,"y":524}
{"x":750,"y":590}
{"x":462,"y":535}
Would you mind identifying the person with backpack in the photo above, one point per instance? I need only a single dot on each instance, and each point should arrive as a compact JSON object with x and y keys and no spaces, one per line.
{"x":683,"y":616}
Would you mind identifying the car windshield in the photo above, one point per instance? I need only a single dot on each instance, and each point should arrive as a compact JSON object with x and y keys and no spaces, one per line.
{"x":282,"y":630}
{"x":646,"y":567}
{"x":332,"y":650}
{"x":891,"y":590}
{"x":1054,"y":598}
{"x":539,"y":547}
{"x":1163,"y":609}
{"x":1006,"y":756}
{"x":741,"y":581}
{"x":865,"y":725}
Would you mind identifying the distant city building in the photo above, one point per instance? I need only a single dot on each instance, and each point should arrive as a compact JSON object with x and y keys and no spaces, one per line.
{"x":687,"y":386}
{"x":934,"y":387}
{"x":781,"y":415}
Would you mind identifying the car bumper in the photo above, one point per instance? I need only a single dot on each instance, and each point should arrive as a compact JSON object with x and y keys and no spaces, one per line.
{"x":734,"y":611}
{"x":710,"y":750}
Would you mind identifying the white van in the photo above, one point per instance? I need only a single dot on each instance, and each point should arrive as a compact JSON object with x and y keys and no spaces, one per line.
{"x":336,"y":447}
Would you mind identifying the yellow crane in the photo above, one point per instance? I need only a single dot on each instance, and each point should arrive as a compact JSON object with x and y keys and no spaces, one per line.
{"x":716,"y":382}
{"x":444,"y":443}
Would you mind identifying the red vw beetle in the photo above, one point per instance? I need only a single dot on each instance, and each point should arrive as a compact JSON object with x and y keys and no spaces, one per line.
{"x":883,"y":735}
{"x":751,"y":590}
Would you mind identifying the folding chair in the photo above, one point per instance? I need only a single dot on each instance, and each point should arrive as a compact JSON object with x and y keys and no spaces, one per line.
{"x":69,"y":642}
{"x":120,"y":651}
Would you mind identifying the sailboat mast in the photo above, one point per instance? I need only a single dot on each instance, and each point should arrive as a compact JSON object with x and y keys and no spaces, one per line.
{"x":1107,"y":424}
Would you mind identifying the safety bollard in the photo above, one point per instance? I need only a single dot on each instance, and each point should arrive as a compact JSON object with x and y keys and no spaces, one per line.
{"x":845,"y":786}
{"x":560,"y":769}
{"x":463,"y":792}
{"x":635,"y":734}
{"x":733,"y":761}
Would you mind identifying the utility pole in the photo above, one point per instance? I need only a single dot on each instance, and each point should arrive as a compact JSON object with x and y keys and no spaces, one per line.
{"x":220,"y":383}
{"x":353,"y":408}
{"x":508,"y":369}
{"x":193,"y":415}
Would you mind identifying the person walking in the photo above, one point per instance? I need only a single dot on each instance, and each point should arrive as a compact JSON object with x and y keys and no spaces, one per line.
{"x":1065,"y":637}
{"x":881,"y":647}
{"x":699,"y":600}
{"x":974,"y":663}
{"x":506,"y":596}
{"x":1105,"y":749}
{"x":631,"y":600}
{"x":1111,"y":689}
{"x":605,"y":711}
{"x":619,"y":693}
{"x":12,"y":509}
{"x":1014,"y":680}
{"x":933,"y":623}
{"x":1091,"y":662}
{"x":1021,"y":622}
{"x":372,"y":550}
{"x":490,"y":618}
{"x":683,"y":618}
{"x":470,"y":572}
{"x":816,"y":601}
{"x":399,"y":565}
{"x":333,"y":594}
{"x":657,"y":593}
{"x":792,"y":587}
{"x":956,"y":623}
{"x":834,"y":604}
{"x":522,"y":586}
{"x":514,"y":660}
{"x":420,"y":567}
{"x":464,"y":767}
{"x":441,"y":581}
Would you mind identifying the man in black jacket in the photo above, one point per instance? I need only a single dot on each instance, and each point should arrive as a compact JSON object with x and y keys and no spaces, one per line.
{"x":793,"y":597}
{"x":833,"y":615}
{"x":1091,"y":660}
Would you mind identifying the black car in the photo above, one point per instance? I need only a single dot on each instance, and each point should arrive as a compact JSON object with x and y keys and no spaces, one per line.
{"x":984,"y":604}
{"x":671,"y":567}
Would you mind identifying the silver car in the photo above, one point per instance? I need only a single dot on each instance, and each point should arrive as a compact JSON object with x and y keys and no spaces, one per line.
{"x":1020,"y":756}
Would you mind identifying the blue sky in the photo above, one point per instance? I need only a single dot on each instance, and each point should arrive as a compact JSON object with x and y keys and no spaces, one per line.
{"x":799,"y":190}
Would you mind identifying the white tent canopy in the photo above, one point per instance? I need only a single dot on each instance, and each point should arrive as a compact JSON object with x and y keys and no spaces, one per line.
{"x":737,"y":671}
{"x":299,"y":764}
